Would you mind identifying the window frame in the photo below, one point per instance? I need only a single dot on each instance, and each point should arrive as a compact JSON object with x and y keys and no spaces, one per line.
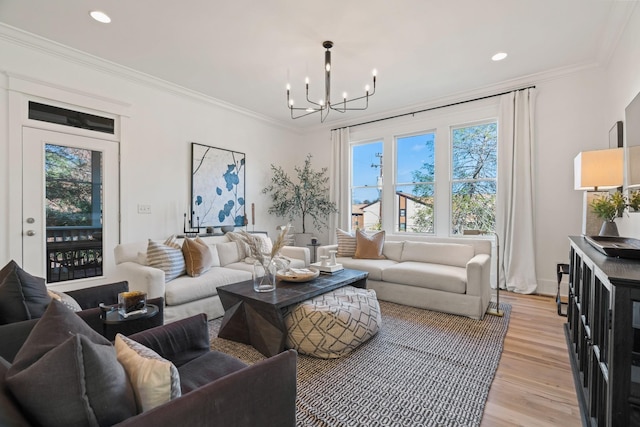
{"x":441,"y":121}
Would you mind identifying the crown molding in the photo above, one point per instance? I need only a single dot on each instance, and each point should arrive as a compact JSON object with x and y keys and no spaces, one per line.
{"x":40,"y":44}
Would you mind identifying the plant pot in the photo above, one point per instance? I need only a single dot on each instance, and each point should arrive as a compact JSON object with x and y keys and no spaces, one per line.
{"x":609,"y":228}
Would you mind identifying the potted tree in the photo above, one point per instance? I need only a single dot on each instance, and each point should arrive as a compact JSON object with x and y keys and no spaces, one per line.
{"x":306,"y":196}
{"x":608,"y":208}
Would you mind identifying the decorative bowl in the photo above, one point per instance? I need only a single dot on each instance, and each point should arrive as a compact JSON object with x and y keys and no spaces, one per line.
{"x":297,"y":274}
{"x":227,"y":228}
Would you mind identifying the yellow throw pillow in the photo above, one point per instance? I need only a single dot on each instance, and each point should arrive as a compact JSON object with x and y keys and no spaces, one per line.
{"x":197,"y":256}
{"x":369,"y":247}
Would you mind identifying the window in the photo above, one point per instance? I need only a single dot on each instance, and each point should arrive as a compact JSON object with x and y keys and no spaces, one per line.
{"x":366,"y":186}
{"x":434,"y":174}
{"x":474,"y":167}
{"x":415,"y":183}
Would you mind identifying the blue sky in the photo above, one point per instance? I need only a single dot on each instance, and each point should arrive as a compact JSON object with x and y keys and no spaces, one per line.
{"x":412,"y":153}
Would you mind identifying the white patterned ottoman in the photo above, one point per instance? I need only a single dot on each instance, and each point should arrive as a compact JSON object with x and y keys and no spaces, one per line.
{"x":333,"y":324}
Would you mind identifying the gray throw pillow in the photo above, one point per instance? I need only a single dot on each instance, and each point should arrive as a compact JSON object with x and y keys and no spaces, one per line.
{"x":22,"y":296}
{"x":67,"y":374}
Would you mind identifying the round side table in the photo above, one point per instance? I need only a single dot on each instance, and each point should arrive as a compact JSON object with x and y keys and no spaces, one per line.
{"x":113,"y":317}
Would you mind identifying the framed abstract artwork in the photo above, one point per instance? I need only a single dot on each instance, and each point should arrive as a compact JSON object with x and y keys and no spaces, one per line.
{"x":217,"y":187}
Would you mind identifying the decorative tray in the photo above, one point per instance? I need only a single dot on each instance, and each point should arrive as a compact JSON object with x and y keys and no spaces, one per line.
{"x":298,"y":274}
{"x":622,"y":247}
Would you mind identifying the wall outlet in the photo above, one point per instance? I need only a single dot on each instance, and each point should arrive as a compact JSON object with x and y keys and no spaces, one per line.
{"x":144,"y":209}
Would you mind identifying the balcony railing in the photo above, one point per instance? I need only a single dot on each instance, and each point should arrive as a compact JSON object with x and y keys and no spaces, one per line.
{"x":73,"y":253}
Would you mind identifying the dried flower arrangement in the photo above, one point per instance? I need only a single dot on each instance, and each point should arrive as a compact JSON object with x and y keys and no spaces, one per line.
{"x":254,"y":244}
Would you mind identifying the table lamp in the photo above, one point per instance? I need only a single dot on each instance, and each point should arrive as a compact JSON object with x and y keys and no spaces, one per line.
{"x":593,"y":172}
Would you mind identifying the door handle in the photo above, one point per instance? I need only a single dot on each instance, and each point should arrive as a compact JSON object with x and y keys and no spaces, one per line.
{"x":31,"y":233}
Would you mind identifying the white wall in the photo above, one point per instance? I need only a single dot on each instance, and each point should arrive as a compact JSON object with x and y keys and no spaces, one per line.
{"x":155,"y":146}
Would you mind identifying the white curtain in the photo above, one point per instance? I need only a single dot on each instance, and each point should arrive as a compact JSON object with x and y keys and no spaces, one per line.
{"x":515,"y":204}
{"x":339,"y":190}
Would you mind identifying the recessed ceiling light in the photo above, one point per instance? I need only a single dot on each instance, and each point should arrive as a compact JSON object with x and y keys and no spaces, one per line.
{"x":499,"y":56}
{"x":100,"y":16}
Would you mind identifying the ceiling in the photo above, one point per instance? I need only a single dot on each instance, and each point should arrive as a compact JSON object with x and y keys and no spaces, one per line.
{"x":243,"y":52}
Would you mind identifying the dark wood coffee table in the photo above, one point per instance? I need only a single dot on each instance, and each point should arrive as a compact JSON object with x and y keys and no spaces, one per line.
{"x":256,"y":318}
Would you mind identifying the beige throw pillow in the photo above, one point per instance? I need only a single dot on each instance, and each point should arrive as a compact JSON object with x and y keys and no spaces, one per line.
{"x":346,"y":243}
{"x":369,"y":247}
{"x":155,"y":380}
{"x":197,"y":256}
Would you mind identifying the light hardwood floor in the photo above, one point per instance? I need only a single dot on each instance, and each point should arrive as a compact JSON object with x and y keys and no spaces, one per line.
{"x":534,"y":384}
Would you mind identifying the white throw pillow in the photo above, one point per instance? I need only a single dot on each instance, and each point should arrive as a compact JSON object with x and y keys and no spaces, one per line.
{"x":346,"y":243}
{"x":229,"y":253}
{"x":155,"y":380}
{"x":167,"y":257}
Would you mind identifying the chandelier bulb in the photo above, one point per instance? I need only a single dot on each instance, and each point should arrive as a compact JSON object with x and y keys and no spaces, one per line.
{"x":288,"y":87}
{"x":328,"y":67}
{"x":291,"y":102}
{"x":344,"y":95}
{"x":366,"y":88}
{"x":306,"y":80}
{"x":375,"y":72}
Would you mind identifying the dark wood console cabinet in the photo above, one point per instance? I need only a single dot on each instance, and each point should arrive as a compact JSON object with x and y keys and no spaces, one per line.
{"x":603,"y":328}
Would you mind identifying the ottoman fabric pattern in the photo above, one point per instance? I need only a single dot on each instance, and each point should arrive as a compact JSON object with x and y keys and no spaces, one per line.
{"x":333,"y":324}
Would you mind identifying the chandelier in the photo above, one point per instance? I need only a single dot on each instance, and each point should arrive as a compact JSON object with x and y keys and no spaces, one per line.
{"x":323,"y":106}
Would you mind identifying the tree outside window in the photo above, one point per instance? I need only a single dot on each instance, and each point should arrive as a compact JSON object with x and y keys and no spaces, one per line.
{"x":473,"y":177}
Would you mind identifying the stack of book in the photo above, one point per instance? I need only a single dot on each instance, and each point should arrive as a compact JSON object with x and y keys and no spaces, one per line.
{"x":327,"y":269}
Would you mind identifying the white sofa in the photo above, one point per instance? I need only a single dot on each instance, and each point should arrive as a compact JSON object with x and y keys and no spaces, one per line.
{"x":443,"y":274}
{"x":186,"y":296}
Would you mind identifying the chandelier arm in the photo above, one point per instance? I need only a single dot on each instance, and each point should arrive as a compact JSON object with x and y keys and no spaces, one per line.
{"x":303,"y":115}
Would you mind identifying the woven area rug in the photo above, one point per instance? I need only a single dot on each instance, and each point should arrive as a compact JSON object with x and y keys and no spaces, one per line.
{"x":423,"y":368}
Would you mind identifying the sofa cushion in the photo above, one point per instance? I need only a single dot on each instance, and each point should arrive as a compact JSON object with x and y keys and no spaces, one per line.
{"x":393,"y":250}
{"x":432,"y":276}
{"x":155,"y":380}
{"x":186,"y":288}
{"x":346,"y":243}
{"x":372,"y":266}
{"x":207,"y":368}
{"x":369,"y":246}
{"x":229,"y":252}
{"x":197,"y":256}
{"x":67,"y":374}
{"x":167,"y":257}
{"x":438,"y":253}
{"x":22,"y":296}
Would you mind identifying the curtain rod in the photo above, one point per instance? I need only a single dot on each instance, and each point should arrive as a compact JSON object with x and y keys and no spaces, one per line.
{"x":434,"y":108}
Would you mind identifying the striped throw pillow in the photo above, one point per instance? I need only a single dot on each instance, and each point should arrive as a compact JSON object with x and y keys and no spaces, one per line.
{"x":346,"y":243}
{"x":167,"y":258}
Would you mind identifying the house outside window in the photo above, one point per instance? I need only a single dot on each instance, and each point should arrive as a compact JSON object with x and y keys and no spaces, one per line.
{"x":415,"y":182}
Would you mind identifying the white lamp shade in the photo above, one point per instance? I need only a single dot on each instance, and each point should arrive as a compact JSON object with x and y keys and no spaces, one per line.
{"x":598,"y":169}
